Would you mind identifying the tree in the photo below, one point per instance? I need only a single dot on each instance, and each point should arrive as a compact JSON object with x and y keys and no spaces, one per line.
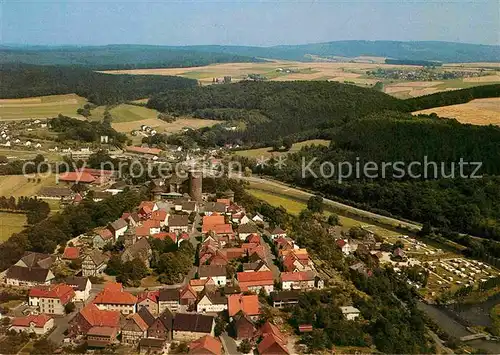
{"x":333,"y":220}
{"x":245,"y":346}
{"x":287,"y":143}
{"x":315,"y":204}
{"x":69,"y":307}
{"x":277,"y":144}
{"x":43,"y":347}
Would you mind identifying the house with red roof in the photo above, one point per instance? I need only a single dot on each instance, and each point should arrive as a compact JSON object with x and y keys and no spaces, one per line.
{"x":149,"y":300}
{"x":344,"y":245}
{"x":71,"y":253}
{"x":206,"y":345}
{"x":301,"y":280}
{"x":276,"y":233}
{"x":255,"y":281}
{"x":216,"y":223}
{"x":248,"y":304}
{"x":102,"y":237}
{"x":51,"y":299}
{"x":91,"y":316}
{"x":76,"y":177}
{"x":199,"y":284}
{"x":187,"y":295}
{"x":273,"y":341}
{"x":146,"y":208}
{"x":134,"y":329}
{"x":112,"y":299}
{"x":160,"y":216}
{"x":243,"y":326}
{"x":39,"y":324}
{"x":164,"y":235}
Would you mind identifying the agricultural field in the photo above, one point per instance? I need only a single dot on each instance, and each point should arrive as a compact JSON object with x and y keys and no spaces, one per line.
{"x":349,"y":72}
{"x":127,"y":118}
{"x":268,"y":152}
{"x":477,"y":112}
{"x":18,"y":185}
{"x":41,"y":107}
{"x":11,"y":223}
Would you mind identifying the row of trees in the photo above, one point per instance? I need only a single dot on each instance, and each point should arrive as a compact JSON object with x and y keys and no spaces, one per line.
{"x":36,"y":210}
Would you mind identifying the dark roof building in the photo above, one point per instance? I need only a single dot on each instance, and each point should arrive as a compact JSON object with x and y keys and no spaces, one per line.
{"x":192,"y":322}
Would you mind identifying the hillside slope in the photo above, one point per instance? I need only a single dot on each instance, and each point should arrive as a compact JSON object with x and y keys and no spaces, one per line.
{"x":22,"y":80}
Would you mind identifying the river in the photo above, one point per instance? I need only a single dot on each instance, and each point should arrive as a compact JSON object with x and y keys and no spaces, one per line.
{"x":455,"y":329}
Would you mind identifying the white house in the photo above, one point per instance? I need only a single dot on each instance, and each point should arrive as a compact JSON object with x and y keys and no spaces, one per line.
{"x":38,"y":324}
{"x":301,"y":280}
{"x":350,"y":312}
{"x":211,"y":303}
{"x":344,"y":246}
{"x":81,"y":286}
{"x":118,"y":228}
{"x":217,"y":273}
{"x":258,"y":218}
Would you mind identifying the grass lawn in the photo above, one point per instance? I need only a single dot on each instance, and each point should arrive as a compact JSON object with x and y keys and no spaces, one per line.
{"x":11,"y":223}
{"x":41,"y":107}
{"x":18,"y":185}
{"x":295,"y":207}
{"x":268,"y":151}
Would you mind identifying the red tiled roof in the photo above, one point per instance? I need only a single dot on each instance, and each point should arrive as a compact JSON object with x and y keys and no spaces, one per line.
{"x":233,"y":253}
{"x":297,"y":276}
{"x":97,"y":317}
{"x":159,"y":215}
{"x":150,"y":223}
{"x":97,"y":172}
{"x":105,"y":233}
{"x":249,"y":304}
{"x":225,"y":201}
{"x":103,"y":331}
{"x":140,"y":150}
{"x":268,"y":346}
{"x":115,"y":297}
{"x":184,"y":236}
{"x":340,"y":242}
{"x":142,"y":231}
{"x":259,"y":278}
{"x":184,"y":291}
{"x":206,"y":345}
{"x":62,"y":292}
{"x":270,"y":328}
{"x":199,"y":282}
{"x":218,"y":228}
{"x":139,"y":321}
{"x":253,"y":238}
{"x":151,"y":295}
{"x":71,"y":253}
{"x":38,"y":320}
{"x":163,"y":235}
{"x":76,"y":177}
{"x":78,"y":198}
{"x":113,"y":286}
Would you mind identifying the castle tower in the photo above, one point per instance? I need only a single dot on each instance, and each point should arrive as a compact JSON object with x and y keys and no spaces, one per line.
{"x":195,"y":185}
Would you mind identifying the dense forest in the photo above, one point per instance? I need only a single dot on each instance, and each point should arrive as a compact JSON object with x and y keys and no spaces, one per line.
{"x":364,"y":126}
{"x":20,"y":80}
{"x":451,"y":52}
{"x":84,"y":131}
{"x":275,"y":109}
{"x":118,"y":56}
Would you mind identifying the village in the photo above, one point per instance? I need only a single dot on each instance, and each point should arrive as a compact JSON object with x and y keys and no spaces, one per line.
{"x":235,"y":264}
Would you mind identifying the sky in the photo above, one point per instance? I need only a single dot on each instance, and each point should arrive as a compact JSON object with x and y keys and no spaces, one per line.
{"x":246,"y":22}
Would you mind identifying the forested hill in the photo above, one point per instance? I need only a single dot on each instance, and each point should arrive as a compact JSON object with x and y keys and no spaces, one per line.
{"x":276,"y":109}
{"x":118,"y":56}
{"x":22,"y":80}
{"x":450,"y":52}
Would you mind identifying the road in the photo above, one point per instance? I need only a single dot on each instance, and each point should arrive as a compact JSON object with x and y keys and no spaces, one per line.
{"x":393,"y":222}
{"x":229,"y":344}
